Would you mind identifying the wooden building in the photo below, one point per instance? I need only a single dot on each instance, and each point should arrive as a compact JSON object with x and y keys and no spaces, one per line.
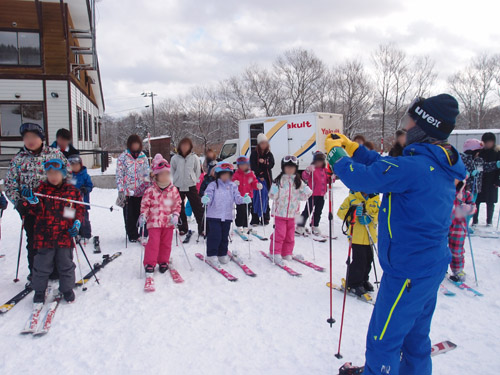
{"x":49,"y":71}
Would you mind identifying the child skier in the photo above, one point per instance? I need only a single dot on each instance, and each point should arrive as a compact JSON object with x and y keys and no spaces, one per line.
{"x":247,"y":182}
{"x":316,"y":176}
{"x":56,"y":224}
{"x":219,"y":199}
{"x":160,"y":210}
{"x":82,"y":182}
{"x":366,"y":207}
{"x":463,"y":207}
{"x":287,"y":191}
{"x":207,"y":178}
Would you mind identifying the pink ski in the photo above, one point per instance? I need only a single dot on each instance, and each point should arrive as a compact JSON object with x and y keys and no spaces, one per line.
{"x":222,"y":271}
{"x":149,"y":286}
{"x":175,"y":274}
{"x":497,"y":253}
{"x":300,"y":259}
{"x":236,"y":259}
{"x":282,"y":266}
{"x":442,"y":347}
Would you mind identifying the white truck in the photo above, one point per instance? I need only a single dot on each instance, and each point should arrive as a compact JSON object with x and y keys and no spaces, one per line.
{"x":299,"y":135}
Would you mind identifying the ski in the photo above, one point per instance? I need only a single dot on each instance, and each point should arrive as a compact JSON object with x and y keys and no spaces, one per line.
{"x":97,"y":266}
{"x":442,"y":347}
{"x":2,"y":256}
{"x":497,"y":253}
{"x":236,"y":259}
{"x":97,"y":245}
{"x":464,"y":286}
{"x":365,"y":298}
{"x":32,"y":323}
{"x":485,"y":234}
{"x":188,"y":236}
{"x":444,"y":290}
{"x":222,"y":271}
{"x":174,"y":273}
{"x":47,"y":321}
{"x":258,"y":236}
{"x":300,"y":259}
{"x":149,"y":285}
{"x":282,"y":266}
{"x":9,"y":305}
{"x":242,"y":236}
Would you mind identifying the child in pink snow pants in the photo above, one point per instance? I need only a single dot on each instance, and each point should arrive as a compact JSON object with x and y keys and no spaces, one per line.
{"x":160,"y":210}
{"x":287,"y":192}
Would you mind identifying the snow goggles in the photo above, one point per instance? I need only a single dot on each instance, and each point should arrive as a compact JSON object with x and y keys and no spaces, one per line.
{"x":55,"y":164}
{"x":223,"y":167}
{"x":291,"y":159}
{"x":161,"y":165}
{"x":75,"y":159}
{"x":242,"y":160}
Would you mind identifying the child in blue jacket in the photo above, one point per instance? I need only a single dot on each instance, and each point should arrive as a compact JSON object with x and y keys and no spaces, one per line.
{"x":82,"y":182}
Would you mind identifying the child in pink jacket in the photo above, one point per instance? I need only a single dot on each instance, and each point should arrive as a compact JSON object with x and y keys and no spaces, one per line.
{"x":287,"y":191}
{"x":247,"y":182}
{"x":160,"y":210}
{"x":316,"y":176}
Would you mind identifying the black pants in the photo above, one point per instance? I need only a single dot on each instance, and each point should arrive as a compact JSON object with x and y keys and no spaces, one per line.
{"x":46,"y":261}
{"x":131,"y":214}
{"x":29,"y":228}
{"x":242,"y":215}
{"x":198,"y":211}
{"x":217,"y":237}
{"x":361,"y":265}
{"x":317,"y":206}
{"x":490,"y":209}
{"x":256,"y":218}
{"x":86,"y":229}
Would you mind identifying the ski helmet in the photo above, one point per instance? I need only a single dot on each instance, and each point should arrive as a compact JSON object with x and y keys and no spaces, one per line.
{"x":242,"y":160}
{"x":223,"y":166}
{"x":289,"y":160}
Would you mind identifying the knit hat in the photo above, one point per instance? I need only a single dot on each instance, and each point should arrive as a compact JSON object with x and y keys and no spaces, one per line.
{"x":435,"y":115}
{"x":261,"y":138}
{"x":473,"y":145}
{"x":33,"y":128}
{"x":489,"y":137}
{"x":159,"y":164}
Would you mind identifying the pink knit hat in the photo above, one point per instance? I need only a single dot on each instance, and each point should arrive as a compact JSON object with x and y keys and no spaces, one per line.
{"x":473,"y":145}
{"x":160,"y":164}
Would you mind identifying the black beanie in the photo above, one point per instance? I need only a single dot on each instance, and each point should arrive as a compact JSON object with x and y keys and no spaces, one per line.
{"x":489,"y":137}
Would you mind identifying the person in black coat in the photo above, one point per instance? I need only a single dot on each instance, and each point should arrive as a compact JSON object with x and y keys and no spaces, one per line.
{"x":491,"y":180}
{"x":63,"y":143}
{"x":262,"y":163}
{"x":399,"y":144}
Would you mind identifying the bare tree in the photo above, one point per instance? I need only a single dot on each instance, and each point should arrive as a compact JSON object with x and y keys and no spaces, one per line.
{"x":299,"y":70}
{"x":171,"y":119}
{"x":326,"y":94}
{"x":424,"y":76}
{"x":235,"y":94}
{"x":265,"y":90}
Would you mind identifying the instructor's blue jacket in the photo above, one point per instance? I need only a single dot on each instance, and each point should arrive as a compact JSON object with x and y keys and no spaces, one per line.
{"x":415,"y":215}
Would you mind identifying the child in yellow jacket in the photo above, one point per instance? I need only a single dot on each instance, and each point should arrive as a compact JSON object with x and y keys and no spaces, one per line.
{"x":366,"y":207}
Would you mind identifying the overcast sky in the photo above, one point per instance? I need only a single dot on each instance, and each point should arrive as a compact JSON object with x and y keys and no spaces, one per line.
{"x":168,"y":46}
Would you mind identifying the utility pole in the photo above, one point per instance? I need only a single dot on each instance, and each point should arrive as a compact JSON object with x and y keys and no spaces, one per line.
{"x":152,"y":95}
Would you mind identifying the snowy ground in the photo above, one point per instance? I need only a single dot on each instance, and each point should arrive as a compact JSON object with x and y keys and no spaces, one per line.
{"x":271,"y":324}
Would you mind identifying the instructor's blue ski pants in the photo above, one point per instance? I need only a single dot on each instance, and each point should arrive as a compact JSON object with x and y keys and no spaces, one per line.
{"x":398,"y":340}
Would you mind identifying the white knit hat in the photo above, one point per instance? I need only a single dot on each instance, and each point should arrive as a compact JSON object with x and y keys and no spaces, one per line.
{"x":261,"y":138}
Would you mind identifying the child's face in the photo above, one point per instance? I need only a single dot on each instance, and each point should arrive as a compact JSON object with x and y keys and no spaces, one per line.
{"x":54,"y":177}
{"x":163,"y":177}
{"x":244,"y":167}
{"x":290,"y":170}
{"x":225,"y":177}
{"x":318,"y":164}
{"x":32,"y":141}
{"x":76,"y":167}
{"x":62,"y":143}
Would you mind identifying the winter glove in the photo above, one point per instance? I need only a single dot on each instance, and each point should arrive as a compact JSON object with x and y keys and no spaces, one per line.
{"x":3,"y":202}
{"x":84,"y":190}
{"x":247,"y":199}
{"x":27,"y":194}
{"x":259,"y":186}
{"x":73,"y":231}
{"x":174,"y":219}
{"x":364,"y":219}
{"x":340,"y":140}
{"x":474,"y":173}
{"x":237,"y":182}
{"x":274,"y":189}
{"x":120,"y":201}
{"x":141,"y":221}
{"x":310,"y":169}
{"x":22,"y":207}
{"x":205,"y":200}
{"x":335,"y":154}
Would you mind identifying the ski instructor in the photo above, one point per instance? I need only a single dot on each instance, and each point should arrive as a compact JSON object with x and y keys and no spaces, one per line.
{"x":414,"y":219}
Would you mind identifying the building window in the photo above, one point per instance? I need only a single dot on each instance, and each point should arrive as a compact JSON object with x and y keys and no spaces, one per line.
{"x":90,"y":128}
{"x":85,"y":126}
{"x":95,"y":125}
{"x":19,"y":48}
{"x":79,"y":123}
{"x":13,"y":115}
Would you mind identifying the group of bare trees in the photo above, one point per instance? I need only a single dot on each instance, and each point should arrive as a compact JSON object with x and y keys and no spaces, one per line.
{"x":372,"y":100}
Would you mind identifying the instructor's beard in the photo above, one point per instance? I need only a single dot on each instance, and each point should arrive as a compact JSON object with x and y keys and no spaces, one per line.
{"x":417,"y":135}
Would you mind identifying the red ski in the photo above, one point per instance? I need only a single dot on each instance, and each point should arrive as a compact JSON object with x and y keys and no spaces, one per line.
{"x":236,"y":259}
{"x":32,"y":323}
{"x":175,"y":274}
{"x":442,"y":347}
{"x":149,"y":286}
{"x":47,"y":322}
{"x":300,"y":259}
{"x":222,"y":271}
{"x":282,"y":266}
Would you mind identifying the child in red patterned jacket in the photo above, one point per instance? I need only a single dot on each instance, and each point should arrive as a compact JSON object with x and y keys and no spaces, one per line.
{"x":160,"y":210}
{"x":463,"y":207}
{"x":57,"y":222}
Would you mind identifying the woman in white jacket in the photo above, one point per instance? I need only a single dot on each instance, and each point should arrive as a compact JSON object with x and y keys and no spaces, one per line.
{"x":186,"y":170}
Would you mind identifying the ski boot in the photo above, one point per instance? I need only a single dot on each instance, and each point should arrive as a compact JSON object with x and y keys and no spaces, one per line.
{"x":359,"y":291}
{"x":213,"y":261}
{"x":368,"y":286}
{"x":97,"y":245}
{"x":39,"y":297}
{"x":458,"y":277}
{"x":163,"y":267}
{"x":287,"y":257}
{"x":349,"y":369}
{"x":300,"y":231}
{"x":278,"y":259}
{"x":224,"y":259}
{"x":69,"y":296}
{"x":316,"y":231}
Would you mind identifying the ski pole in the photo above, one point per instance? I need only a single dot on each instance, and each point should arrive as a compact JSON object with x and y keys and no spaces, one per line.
{"x":312,"y":202}
{"x":471,"y":252}
{"x":312,"y":239}
{"x":330,"y":320}
{"x":498,"y":220}
{"x":126,"y":222}
{"x":373,"y":247}
{"x":73,"y":201}
{"x":84,"y":288}
{"x":142,"y":252}
{"x":88,"y":262}
{"x":184,"y":249}
{"x":348,"y":262}
{"x":249,"y":251}
{"x":19,"y":252}
{"x":205,"y":225}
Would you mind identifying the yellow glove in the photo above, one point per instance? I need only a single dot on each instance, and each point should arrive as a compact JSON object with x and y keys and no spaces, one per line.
{"x":340,"y":140}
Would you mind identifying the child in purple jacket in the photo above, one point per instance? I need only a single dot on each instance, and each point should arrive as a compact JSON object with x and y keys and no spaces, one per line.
{"x":220,"y":197}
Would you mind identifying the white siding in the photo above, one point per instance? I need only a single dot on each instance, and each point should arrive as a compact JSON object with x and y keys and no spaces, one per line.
{"x":30,"y":90}
{"x":57,"y":108}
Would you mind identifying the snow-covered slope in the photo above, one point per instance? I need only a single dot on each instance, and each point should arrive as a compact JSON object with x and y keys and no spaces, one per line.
{"x":271,"y":324}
